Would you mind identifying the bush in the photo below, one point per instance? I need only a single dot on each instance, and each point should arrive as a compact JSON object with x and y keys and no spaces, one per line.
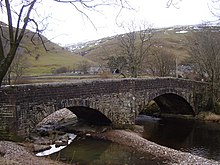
{"x":60,"y":70}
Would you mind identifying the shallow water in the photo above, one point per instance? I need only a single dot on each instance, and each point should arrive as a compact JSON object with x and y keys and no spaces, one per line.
{"x":196,"y":137}
{"x":99,"y":152}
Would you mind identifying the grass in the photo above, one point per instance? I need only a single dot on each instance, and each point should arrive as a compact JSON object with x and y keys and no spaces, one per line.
{"x":48,"y":61}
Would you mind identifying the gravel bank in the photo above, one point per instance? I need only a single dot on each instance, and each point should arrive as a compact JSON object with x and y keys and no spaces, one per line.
{"x":14,"y":154}
{"x":135,"y":141}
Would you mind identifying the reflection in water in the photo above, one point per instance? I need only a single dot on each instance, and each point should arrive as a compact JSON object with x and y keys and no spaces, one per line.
{"x":98,"y":152}
{"x":199,"y":138}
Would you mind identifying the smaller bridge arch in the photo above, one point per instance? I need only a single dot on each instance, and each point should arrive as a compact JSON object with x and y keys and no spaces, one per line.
{"x":90,"y":115}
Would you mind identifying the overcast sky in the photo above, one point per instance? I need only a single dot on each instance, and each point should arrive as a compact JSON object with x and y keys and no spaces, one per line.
{"x":67,"y":26}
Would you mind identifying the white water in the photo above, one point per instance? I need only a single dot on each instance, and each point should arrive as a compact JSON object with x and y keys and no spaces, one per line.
{"x":54,"y":149}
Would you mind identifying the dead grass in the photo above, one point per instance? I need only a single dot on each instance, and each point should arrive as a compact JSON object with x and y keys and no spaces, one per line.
{"x":208,"y":116}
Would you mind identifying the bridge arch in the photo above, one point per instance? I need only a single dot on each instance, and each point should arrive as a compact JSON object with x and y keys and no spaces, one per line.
{"x":90,"y":115}
{"x":88,"y":109}
{"x":174,"y":101}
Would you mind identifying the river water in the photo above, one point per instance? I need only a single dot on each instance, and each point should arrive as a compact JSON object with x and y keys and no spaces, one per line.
{"x":91,"y":151}
{"x":196,"y":137}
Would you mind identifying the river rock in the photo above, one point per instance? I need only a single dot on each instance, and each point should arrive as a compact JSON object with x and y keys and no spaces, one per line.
{"x":61,"y":143}
{"x":40,"y":148}
{"x":57,"y":116}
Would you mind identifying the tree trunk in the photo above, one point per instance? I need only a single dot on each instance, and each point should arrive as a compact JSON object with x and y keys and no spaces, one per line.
{"x":6,"y":62}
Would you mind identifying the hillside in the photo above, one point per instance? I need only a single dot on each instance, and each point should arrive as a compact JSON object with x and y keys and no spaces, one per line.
{"x":172,"y":38}
{"x":41,"y":61}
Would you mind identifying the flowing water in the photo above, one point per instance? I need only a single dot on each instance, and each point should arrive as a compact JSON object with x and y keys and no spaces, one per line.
{"x":196,"y":137}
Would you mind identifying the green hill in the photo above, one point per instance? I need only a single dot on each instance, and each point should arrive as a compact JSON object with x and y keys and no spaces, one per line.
{"x":43,"y":61}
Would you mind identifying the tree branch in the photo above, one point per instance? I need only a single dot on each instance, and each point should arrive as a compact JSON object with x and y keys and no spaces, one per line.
{"x":39,"y":35}
{"x":26,"y":20}
{"x":10,"y":25}
{"x":18,"y":22}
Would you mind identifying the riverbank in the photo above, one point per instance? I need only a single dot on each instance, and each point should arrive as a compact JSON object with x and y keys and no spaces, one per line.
{"x":12,"y":153}
{"x":171,"y":156}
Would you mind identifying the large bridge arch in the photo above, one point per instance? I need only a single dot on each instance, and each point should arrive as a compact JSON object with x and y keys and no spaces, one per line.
{"x":170,"y":103}
{"x":168,"y":99}
{"x":174,"y":101}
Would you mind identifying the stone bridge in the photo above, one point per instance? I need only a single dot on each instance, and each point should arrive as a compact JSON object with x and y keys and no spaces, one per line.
{"x":115,"y":101}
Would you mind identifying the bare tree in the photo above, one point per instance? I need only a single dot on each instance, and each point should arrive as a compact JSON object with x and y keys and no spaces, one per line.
{"x":174,"y":3}
{"x":135,"y":46}
{"x":162,"y":62}
{"x":18,"y":67}
{"x":204,"y":48}
{"x":22,"y":13}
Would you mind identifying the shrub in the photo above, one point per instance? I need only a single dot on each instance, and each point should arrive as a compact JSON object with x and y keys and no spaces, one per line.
{"x":60,"y":70}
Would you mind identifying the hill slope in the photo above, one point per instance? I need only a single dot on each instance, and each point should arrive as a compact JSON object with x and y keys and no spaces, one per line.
{"x":42,"y":61}
{"x":173,"y":39}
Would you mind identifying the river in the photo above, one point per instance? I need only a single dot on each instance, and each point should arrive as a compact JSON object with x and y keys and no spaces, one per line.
{"x":197,"y":137}
{"x":91,"y":151}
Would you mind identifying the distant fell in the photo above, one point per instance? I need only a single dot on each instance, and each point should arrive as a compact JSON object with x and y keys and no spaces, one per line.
{"x":172,"y":38}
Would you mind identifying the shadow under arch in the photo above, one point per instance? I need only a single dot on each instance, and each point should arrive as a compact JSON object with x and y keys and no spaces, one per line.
{"x":90,"y":115}
{"x":173,"y":104}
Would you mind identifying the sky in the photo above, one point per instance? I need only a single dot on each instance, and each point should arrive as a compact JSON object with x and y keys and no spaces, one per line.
{"x":67,"y":26}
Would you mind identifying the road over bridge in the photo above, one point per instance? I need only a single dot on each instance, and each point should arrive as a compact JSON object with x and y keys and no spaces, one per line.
{"x":115,"y":101}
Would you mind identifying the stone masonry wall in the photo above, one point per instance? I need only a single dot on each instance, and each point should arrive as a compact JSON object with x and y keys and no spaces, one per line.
{"x":23,"y":106}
